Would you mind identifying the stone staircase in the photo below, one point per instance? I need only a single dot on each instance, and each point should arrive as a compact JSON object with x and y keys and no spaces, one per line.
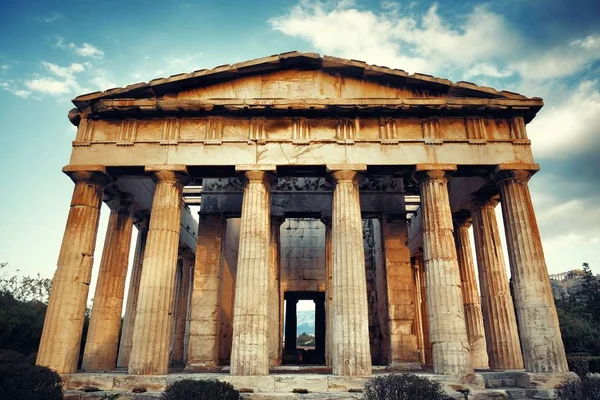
{"x":505,"y":385}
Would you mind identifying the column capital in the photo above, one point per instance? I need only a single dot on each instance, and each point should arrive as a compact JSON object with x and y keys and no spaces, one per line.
{"x":88,"y":173}
{"x":120,"y":202}
{"x":520,"y":173}
{"x":168,"y":172}
{"x":426,"y":172}
{"x":141,"y":220}
{"x":277,"y":220}
{"x":462,"y":219}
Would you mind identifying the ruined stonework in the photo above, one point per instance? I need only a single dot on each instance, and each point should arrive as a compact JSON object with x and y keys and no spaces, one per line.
{"x":315,"y":178}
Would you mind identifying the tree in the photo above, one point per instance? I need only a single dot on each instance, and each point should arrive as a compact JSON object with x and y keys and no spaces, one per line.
{"x":24,"y":288}
{"x":590,"y":291}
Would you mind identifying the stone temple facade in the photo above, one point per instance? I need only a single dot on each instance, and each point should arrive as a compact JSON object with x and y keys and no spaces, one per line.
{"x":318,"y":178}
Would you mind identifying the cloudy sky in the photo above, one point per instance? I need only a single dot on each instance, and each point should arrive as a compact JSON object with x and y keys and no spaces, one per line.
{"x":52,"y":51}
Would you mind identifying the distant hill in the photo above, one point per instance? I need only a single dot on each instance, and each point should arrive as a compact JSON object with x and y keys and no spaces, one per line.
{"x":306,"y":322}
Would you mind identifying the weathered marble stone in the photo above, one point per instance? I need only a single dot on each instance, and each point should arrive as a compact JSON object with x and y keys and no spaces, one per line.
{"x":350,"y":338}
{"x":63,"y":324}
{"x":472,"y":304}
{"x":101,"y":346}
{"x":503,"y":345}
{"x":151,"y":333}
{"x":181,"y":305}
{"x":541,"y":341}
{"x":250,"y":348}
{"x":447,"y":329}
{"x":126,"y":342}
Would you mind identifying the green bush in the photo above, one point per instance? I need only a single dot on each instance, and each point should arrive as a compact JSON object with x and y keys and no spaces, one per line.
{"x":586,"y":389}
{"x":189,"y":389}
{"x":29,"y":382}
{"x":403,"y":387}
{"x":581,"y":365}
{"x":12,"y":357}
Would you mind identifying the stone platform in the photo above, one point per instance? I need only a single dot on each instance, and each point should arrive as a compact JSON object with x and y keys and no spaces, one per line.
{"x":303,"y":385}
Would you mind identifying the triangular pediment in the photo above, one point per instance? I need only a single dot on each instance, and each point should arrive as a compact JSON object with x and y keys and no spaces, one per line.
{"x":299,"y":76}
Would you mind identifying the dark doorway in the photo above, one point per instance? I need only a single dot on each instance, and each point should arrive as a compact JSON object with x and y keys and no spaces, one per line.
{"x":308,"y":353}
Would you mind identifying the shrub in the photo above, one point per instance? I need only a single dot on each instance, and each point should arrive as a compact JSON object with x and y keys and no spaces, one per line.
{"x":189,"y":389}
{"x":581,"y":365}
{"x":29,"y":382}
{"x":403,"y":387}
{"x":11,"y":357}
{"x":586,"y":389}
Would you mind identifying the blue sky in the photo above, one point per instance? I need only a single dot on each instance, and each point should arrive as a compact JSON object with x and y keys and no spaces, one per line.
{"x":52,"y":51}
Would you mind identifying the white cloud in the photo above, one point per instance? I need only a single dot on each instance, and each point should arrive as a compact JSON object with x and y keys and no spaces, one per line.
{"x":8,"y":86}
{"x":483,"y":44}
{"x":62,"y":80}
{"x":89,"y":50}
{"x":562,"y":130}
{"x":47,"y":85}
{"x":85,"y":50}
{"x":53,"y":17}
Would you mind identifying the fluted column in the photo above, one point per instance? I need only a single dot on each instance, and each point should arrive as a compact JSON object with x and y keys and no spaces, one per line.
{"x":329,"y":294}
{"x":152,"y":329}
{"x":541,"y":341}
{"x":427,"y":346}
{"x":418,"y":323}
{"x":470,"y":293}
{"x":504,"y":349}
{"x":63,"y":324}
{"x":448,"y":331}
{"x":250,"y":348}
{"x":275,"y":340}
{"x":181,"y":301}
{"x":351,"y":354}
{"x":132,"y":294}
{"x":204,"y":320}
{"x":100,"y":353}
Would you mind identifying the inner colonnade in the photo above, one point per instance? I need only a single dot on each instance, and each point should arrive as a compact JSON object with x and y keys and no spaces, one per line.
{"x":321,"y":178}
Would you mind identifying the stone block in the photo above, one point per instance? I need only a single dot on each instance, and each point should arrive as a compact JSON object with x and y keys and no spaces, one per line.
{"x":149,"y":382}
{"x":102,"y":381}
{"x":344,"y":384}
{"x":312,"y":383}
{"x":259,"y":384}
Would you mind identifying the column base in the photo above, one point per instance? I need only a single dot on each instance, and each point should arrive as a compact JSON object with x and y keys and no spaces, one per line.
{"x":535,"y":380}
{"x":404,"y":366}
{"x":202,"y":367}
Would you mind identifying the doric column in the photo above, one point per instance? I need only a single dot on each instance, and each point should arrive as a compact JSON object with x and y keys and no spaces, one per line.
{"x":328,"y":294}
{"x":418,"y":322}
{"x":470,"y":293}
{"x":181,"y":304}
{"x":63,"y":324}
{"x":152,"y":329}
{"x":141,"y":223}
{"x":504,"y":349}
{"x":100,"y":353}
{"x":351,"y":354}
{"x":400,"y":292}
{"x":541,"y":341}
{"x":427,"y":346}
{"x":250,"y":348}
{"x":291,"y":323}
{"x":448,"y":331}
{"x":204,"y":321}
{"x":274,"y":291}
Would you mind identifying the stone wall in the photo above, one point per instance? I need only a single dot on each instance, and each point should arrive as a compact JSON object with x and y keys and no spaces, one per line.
{"x":302,"y":249}
{"x":376,"y":290}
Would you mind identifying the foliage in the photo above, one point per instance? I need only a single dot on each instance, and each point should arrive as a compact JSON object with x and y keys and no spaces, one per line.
{"x":29,"y":382}
{"x":21,"y":324}
{"x":24,"y":288}
{"x":581,"y":365}
{"x":189,"y":389}
{"x":403,"y":387}
{"x":586,"y":389}
{"x":305,"y":339}
{"x":579,"y":316}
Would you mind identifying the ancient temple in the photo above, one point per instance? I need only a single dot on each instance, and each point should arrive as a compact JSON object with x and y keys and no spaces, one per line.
{"x":318,"y":178}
